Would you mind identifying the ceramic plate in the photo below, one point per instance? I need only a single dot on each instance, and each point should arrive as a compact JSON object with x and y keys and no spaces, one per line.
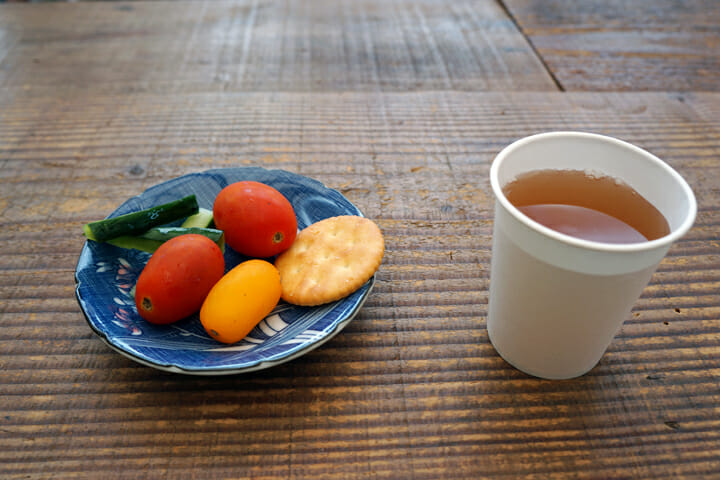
{"x":105,"y":276}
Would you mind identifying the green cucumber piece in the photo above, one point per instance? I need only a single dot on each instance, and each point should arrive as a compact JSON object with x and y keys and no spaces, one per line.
{"x":202,"y":219}
{"x":135,"y":223}
{"x":166,"y":233}
{"x":137,"y":243}
{"x":153,"y":238}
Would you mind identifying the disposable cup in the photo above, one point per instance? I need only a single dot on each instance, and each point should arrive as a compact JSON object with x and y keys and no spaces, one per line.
{"x":556,"y":301}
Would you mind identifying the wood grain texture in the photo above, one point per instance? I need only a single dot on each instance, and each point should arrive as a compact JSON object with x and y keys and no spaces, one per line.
{"x":401,"y":106}
{"x":638,"y":45}
{"x":412,"y":388}
{"x":296,"y":45}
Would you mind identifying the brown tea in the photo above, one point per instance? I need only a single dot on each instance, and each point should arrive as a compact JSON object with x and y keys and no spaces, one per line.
{"x":586,"y":206}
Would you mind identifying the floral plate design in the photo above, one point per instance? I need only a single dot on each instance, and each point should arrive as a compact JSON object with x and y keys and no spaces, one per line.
{"x":105,"y":276}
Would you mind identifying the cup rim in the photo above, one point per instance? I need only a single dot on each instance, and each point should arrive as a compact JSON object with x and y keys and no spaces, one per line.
{"x":661,"y":242}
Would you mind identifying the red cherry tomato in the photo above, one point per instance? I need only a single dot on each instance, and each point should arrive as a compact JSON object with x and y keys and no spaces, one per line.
{"x":177,"y":278}
{"x":258,"y":221}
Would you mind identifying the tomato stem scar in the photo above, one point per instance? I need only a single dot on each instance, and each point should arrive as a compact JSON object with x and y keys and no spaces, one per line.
{"x":147,"y":304}
{"x":278,"y":237}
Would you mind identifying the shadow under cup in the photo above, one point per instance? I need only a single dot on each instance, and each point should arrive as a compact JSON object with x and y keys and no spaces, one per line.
{"x":557,"y":301}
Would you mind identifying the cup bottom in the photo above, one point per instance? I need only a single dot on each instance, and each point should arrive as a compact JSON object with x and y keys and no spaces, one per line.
{"x":528,"y":369}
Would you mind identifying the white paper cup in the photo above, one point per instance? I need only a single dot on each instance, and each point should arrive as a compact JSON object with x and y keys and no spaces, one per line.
{"x":557,"y":301}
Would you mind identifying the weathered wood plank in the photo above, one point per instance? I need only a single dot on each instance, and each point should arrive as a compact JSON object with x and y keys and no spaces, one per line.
{"x":262,"y":45}
{"x":625,"y":45}
{"x":413,"y":380}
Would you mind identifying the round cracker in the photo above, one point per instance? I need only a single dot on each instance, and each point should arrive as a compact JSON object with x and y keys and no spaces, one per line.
{"x":330,"y":259}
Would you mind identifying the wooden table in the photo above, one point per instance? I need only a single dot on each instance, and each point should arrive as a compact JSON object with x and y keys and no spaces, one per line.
{"x":401,"y":105}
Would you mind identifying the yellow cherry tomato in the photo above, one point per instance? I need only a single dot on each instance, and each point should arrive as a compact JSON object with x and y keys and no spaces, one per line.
{"x":240,"y":300}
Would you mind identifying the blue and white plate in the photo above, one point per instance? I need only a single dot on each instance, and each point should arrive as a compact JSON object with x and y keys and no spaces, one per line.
{"x":106,"y":274}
